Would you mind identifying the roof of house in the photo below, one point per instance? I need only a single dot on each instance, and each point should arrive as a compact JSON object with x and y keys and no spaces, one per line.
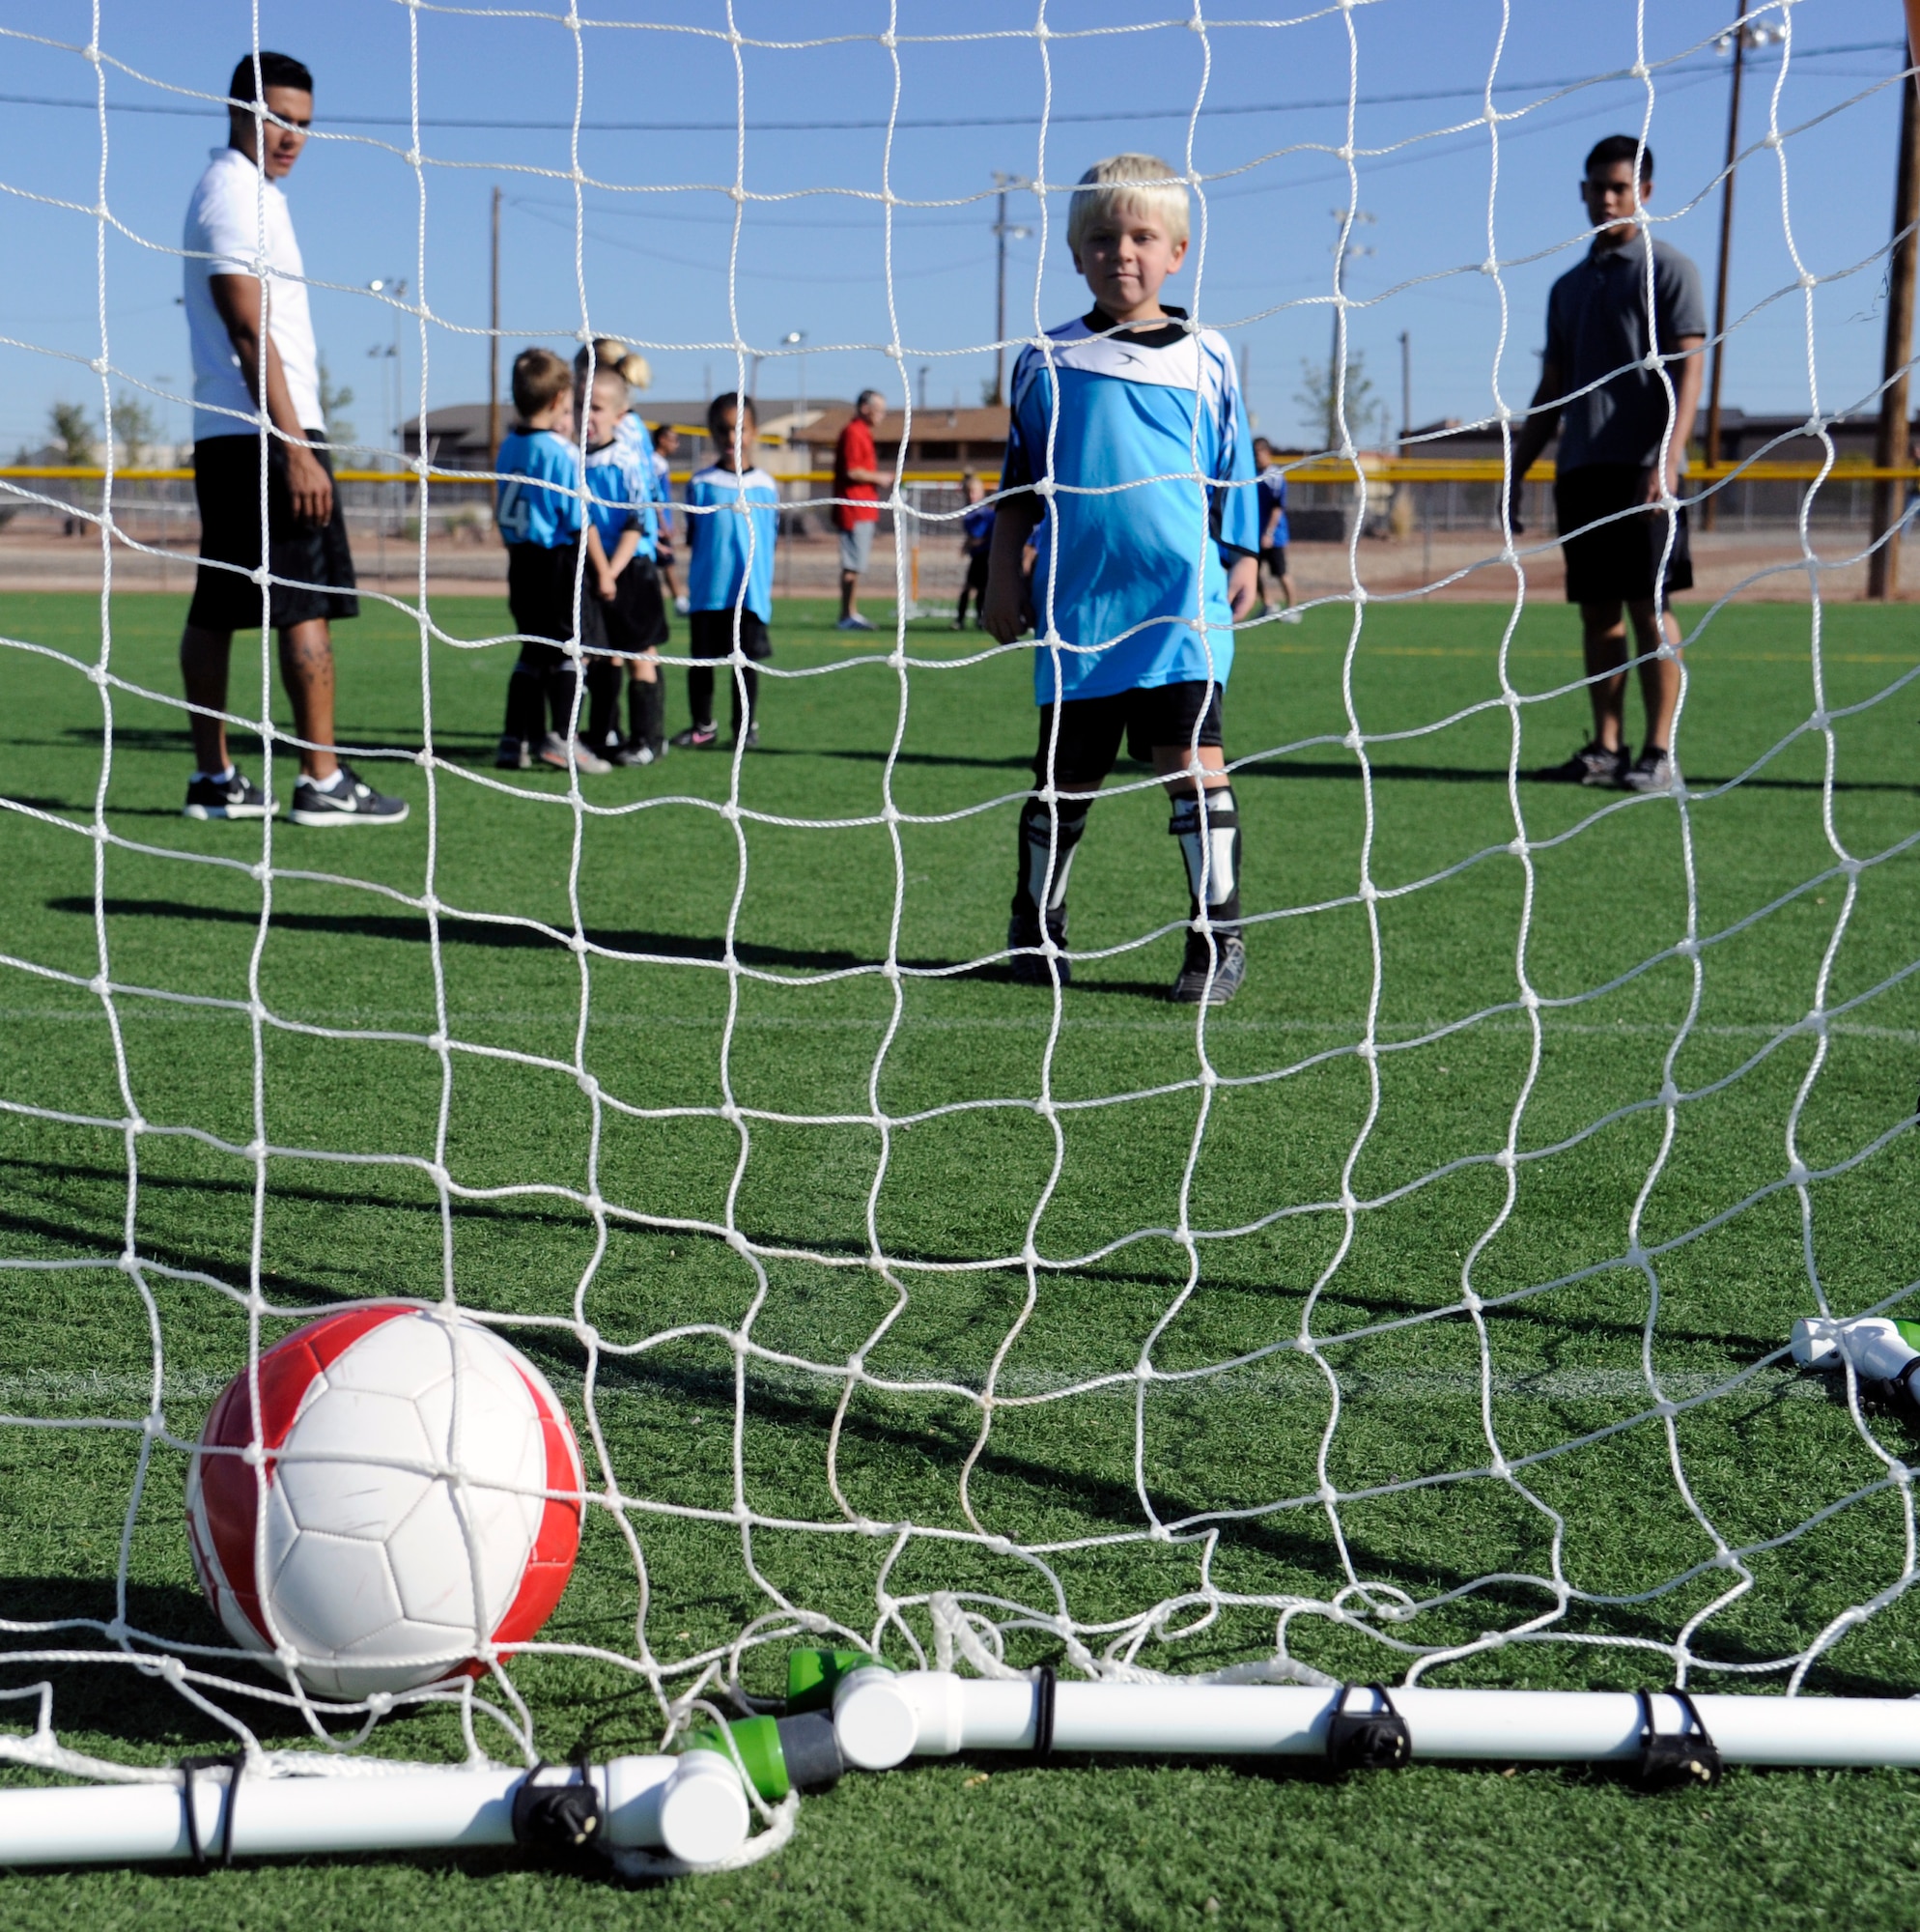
{"x":930,"y":425}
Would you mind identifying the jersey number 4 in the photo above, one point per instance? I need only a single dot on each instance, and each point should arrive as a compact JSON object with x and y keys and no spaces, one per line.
{"x":515,"y":518}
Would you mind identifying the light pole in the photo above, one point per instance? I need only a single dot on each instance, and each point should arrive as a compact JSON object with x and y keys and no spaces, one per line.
{"x":1002,"y":232}
{"x":1735,"y":43}
{"x":1406,"y":389}
{"x":796,"y":338}
{"x":396,"y":287}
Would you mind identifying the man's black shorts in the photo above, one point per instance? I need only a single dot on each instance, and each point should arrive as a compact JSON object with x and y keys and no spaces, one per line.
{"x":1274,"y":556}
{"x":1091,"y":729}
{"x":710,"y":635}
{"x":1616,"y":562}
{"x":636,"y":618}
{"x":539,"y":594}
{"x":311,"y":564}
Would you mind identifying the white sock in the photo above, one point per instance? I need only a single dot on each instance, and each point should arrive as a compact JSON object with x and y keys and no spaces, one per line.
{"x":328,"y":784}
{"x":219,"y":778}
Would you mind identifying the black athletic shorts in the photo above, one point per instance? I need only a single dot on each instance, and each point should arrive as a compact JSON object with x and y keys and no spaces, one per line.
{"x":1274,"y":556}
{"x":311,"y":564}
{"x":1149,"y":715}
{"x":710,"y":635}
{"x":977,"y":571}
{"x":539,"y":594}
{"x":1618,"y":561}
{"x":636,"y":618}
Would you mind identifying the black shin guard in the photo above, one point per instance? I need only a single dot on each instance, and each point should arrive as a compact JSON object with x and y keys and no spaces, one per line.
{"x":1048,"y":834}
{"x":745,"y":681}
{"x":646,"y":711}
{"x":527,"y":703}
{"x":1210,"y":839}
{"x":602,"y":691}
{"x":700,"y":694}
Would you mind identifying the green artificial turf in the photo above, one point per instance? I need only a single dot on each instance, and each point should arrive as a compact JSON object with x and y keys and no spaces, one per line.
{"x":992,"y":1841}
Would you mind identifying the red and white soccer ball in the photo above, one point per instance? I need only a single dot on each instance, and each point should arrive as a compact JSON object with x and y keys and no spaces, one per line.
{"x":367,"y":1552}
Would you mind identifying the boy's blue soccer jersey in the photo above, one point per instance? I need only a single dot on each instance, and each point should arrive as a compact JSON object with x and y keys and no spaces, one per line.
{"x":537,"y":499}
{"x":1273,"y":496}
{"x":619,"y":482}
{"x":1137,"y":575}
{"x":977,"y":524}
{"x":731,"y":523}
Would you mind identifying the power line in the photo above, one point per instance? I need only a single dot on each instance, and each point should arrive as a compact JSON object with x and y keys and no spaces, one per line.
{"x":198,"y":109}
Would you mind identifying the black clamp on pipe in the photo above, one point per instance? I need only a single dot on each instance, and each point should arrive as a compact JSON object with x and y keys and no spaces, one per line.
{"x":1368,"y":1740}
{"x":1673,"y":1760}
{"x":234,"y":1763}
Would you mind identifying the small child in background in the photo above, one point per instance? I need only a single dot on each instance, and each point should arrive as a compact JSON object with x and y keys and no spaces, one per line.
{"x":976,"y":543}
{"x":538,"y":507}
{"x":665,"y":448}
{"x":732,"y":518}
{"x":619,"y":476}
{"x":1272,"y":492}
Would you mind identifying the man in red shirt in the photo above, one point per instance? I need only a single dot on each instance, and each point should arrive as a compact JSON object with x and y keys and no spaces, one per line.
{"x":857,"y":509}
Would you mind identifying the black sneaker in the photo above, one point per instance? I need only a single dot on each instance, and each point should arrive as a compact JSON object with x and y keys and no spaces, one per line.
{"x":1030,"y":966}
{"x":234,"y":796}
{"x":351,"y":802}
{"x":1592,"y":765}
{"x":513,"y":754}
{"x":697,"y":738}
{"x":1209,"y":976}
{"x":749,"y":743}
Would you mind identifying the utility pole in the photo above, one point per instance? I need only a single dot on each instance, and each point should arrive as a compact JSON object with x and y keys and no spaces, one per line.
{"x":493,"y":346}
{"x":1406,"y":389}
{"x":1710,"y":509}
{"x":1893,"y":445}
{"x":1002,"y":233}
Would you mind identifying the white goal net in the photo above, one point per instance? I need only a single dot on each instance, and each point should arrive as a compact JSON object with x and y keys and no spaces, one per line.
{"x":1425,"y":1317}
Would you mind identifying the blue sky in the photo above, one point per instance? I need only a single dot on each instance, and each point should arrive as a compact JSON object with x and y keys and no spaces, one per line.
{"x":497,"y":98}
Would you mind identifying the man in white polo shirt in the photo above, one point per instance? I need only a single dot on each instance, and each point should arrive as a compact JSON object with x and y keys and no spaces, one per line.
{"x":253,"y":349}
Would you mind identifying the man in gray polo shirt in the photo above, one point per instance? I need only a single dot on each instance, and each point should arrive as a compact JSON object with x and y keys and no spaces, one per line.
{"x":1622,"y":447}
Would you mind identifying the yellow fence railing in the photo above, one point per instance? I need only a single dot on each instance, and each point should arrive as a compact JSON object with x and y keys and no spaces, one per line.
{"x":1377,"y":469}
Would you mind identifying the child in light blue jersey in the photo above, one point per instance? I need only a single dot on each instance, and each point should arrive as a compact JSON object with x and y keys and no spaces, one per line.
{"x":537,"y":505}
{"x":732,"y":520}
{"x":620,"y":504}
{"x":1134,"y":421}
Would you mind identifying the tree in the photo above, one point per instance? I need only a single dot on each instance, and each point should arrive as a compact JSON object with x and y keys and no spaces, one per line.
{"x":334,"y":401}
{"x":1366,"y":409}
{"x":136,"y":426}
{"x":73,"y":430}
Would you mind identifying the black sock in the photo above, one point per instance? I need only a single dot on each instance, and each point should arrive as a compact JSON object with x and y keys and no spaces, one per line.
{"x":646,"y":710}
{"x":1045,"y":832}
{"x":1216,"y":850}
{"x":603,"y":690}
{"x":700,"y":696}
{"x":524,"y":703}
{"x":562,"y":682}
{"x":747,"y":684}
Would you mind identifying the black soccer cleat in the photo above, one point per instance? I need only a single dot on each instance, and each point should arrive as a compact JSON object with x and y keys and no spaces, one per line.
{"x":513,"y":754}
{"x":697,"y":738}
{"x":351,"y":802}
{"x":636,"y":752}
{"x":749,"y":741}
{"x":234,"y":796}
{"x":1030,"y":966}
{"x":1591,"y":765}
{"x":1213,"y":971}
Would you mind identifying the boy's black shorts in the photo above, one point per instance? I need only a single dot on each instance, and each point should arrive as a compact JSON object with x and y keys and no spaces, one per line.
{"x":312,"y":565}
{"x":1091,"y":729}
{"x":1275,"y":559}
{"x":1618,"y":561}
{"x":977,"y":562}
{"x":636,"y":618}
{"x":710,"y":635}
{"x":539,"y":594}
